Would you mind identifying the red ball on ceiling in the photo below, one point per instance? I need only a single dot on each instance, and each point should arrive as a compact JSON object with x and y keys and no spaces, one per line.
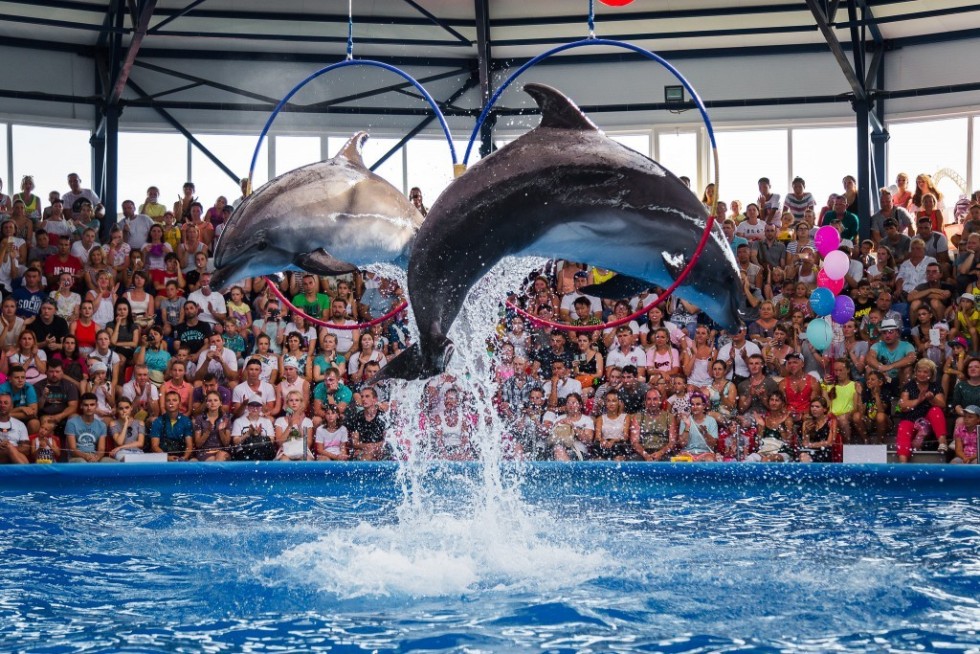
{"x":616,"y":3}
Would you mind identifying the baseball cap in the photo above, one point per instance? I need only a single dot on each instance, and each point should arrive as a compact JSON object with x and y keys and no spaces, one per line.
{"x":888,"y":323}
{"x":794,"y":355}
{"x":959,"y":340}
{"x":969,"y":296}
{"x":581,"y":275}
{"x":97,"y":366}
{"x":290,"y":362}
{"x":846,"y":243}
{"x":254,"y":403}
{"x":890,"y":222}
{"x":973,"y":408}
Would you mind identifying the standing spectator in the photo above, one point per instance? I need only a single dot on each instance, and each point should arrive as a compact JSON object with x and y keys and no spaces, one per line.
{"x":799,"y":200}
{"x":77,"y":196}
{"x":152,"y":207}
{"x":135,"y":226}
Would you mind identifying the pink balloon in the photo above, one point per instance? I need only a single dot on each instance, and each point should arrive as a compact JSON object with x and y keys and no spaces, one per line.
{"x":835,"y":285}
{"x":836,"y":264}
{"x":827,"y":239}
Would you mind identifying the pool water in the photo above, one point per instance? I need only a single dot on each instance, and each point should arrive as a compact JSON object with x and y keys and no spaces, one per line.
{"x":580,"y":558}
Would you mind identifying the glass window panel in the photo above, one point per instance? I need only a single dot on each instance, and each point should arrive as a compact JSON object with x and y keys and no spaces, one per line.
{"x":374,"y":149}
{"x":744,"y":157}
{"x":931,"y":147}
{"x":430,"y":165}
{"x":822,"y":156}
{"x":295,"y":151}
{"x":34,"y":148}
{"x":234,"y":151}
{"x":679,"y":153}
{"x":638,"y":142}
{"x":151,"y":160}
{"x":4,"y":173}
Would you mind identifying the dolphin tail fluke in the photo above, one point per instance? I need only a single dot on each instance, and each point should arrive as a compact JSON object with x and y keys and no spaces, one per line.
{"x":414,"y":364}
{"x":617,"y":288}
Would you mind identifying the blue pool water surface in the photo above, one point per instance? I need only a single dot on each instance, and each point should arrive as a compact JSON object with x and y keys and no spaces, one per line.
{"x":590,"y":558}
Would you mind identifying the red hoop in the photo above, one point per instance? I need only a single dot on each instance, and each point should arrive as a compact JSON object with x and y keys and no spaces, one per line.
{"x":323,"y":323}
{"x":639,"y":312}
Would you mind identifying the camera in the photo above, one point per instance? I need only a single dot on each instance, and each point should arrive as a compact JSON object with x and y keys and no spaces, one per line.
{"x":275,"y":314}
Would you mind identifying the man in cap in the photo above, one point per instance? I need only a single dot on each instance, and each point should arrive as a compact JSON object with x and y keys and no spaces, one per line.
{"x":891,"y":356}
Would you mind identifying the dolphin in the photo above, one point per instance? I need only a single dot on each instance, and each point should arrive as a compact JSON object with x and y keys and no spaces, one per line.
{"x":327,"y":218}
{"x":563,"y":190}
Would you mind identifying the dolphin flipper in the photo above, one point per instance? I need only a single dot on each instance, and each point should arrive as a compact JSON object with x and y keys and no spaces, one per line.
{"x":321,"y":262}
{"x":617,"y":288}
{"x":413,"y":363}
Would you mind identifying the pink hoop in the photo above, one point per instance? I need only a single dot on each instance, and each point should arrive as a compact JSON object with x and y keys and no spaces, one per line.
{"x":639,"y":312}
{"x":322,"y":323}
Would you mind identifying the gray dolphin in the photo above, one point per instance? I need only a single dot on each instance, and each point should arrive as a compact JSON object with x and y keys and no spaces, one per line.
{"x":326,"y":218}
{"x":563,"y":190}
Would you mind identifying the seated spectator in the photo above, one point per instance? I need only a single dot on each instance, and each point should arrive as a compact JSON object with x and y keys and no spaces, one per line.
{"x":330,"y":392}
{"x":571,"y":434}
{"x":898,"y":244}
{"x":912,"y":272}
{"x":46,"y":447}
{"x":367,"y":429}
{"x":331,"y":437}
{"x":30,"y":294}
{"x":86,"y":434}
{"x":876,"y":408}
{"x":213,"y":309}
{"x":366,"y":352}
{"x":143,"y":396}
{"x":83,"y":247}
{"x":753,"y":393}
{"x":104,"y":354}
{"x":626,"y":353}
{"x":934,"y":293}
{"x":613,"y":429}
{"x":177,"y":384}
{"x":271,"y":325}
{"x":23,"y":396}
{"x":252,"y":388}
{"x":66,"y":301}
{"x":921,"y":403}
{"x":124,"y":333}
{"x":218,"y":360}
{"x":57,"y":397}
{"x":210,"y":385}
{"x":581,"y":280}
{"x":127,"y":434}
{"x":11,"y":325}
{"x":560,"y":385}
{"x":965,"y":436}
{"x":15,"y":443}
{"x":736,"y":353}
{"x":819,"y":433}
{"x":63,"y":262}
{"x":152,"y":353}
{"x":172,"y":433}
{"x":103,"y":299}
{"x":42,"y":249}
{"x":302,"y":352}
{"x":967,"y":321}
{"x":697,"y":433}
{"x":49,"y":328}
{"x":116,"y":253}
{"x":212,"y":430}
{"x":28,"y":356}
{"x":293,"y":382}
{"x":892,"y":356}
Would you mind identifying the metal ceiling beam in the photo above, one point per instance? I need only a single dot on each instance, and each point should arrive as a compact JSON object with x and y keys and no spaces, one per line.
{"x":484,"y":49}
{"x":144,"y":14}
{"x":183,"y":130}
{"x":206,"y":82}
{"x":457,"y":94}
{"x":53,"y":22}
{"x":175,"y":16}
{"x":310,"y":38}
{"x":392,"y":87}
{"x":438,"y":21}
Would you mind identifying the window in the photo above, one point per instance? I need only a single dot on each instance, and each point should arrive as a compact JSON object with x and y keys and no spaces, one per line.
{"x":50,"y":155}
{"x":4,"y":173}
{"x":678,"y":153}
{"x":374,"y":149}
{"x":638,"y":142}
{"x":746,"y":156}
{"x":935,"y":147}
{"x":295,"y":151}
{"x":235,"y":152}
{"x":822,"y":156}
{"x":151,"y":160}
{"x":430,"y":165}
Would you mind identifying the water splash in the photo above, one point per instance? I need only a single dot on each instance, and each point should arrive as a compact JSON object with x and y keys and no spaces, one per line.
{"x":457,"y":530}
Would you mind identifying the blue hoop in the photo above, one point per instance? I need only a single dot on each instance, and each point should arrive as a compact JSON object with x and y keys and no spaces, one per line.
{"x":579,"y":44}
{"x":709,"y":224}
{"x":343,"y":64}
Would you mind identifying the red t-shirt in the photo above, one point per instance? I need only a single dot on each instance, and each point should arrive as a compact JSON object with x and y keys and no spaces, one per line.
{"x":54,"y":266}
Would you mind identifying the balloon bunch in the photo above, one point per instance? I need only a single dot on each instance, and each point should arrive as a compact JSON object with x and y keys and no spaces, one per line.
{"x":825,"y":300}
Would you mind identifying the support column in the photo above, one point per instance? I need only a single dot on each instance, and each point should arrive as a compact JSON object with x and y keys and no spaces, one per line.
{"x":865,"y":181}
{"x":482,"y":8}
{"x":110,"y":171}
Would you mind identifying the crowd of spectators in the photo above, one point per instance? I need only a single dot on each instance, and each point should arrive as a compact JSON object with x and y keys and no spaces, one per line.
{"x":116,"y":348}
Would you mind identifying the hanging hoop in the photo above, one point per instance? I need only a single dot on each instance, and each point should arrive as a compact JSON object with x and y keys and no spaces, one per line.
{"x":591,"y":41}
{"x":272,"y":117}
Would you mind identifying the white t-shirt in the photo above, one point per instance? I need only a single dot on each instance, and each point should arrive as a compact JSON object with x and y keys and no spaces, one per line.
{"x":80,"y":252}
{"x":244,"y":393}
{"x":283,"y":423}
{"x":209,"y":305}
{"x":741,"y":367}
{"x":565,"y":388}
{"x":13,"y":431}
{"x":632,"y":324}
{"x":264,"y":424}
{"x":213,"y":366}
{"x":583,"y":422}
{"x":355,"y":361}
{"x":332,"y":441}
{"x":750,"y":232}
{"x":150,"y":392}
{"x":345,"y":337}
{"x":636,"y":357}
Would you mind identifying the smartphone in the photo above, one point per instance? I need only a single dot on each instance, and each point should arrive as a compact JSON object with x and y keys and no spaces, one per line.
{"x":934,"y":336}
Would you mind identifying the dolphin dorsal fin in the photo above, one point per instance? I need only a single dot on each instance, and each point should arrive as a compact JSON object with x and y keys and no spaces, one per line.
{"x":557,"y":110}
{"x":352,"y":149}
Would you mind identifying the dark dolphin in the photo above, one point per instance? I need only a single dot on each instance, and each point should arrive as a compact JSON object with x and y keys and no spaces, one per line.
{"x":563,"y":190}
{"x":326,"y":218}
